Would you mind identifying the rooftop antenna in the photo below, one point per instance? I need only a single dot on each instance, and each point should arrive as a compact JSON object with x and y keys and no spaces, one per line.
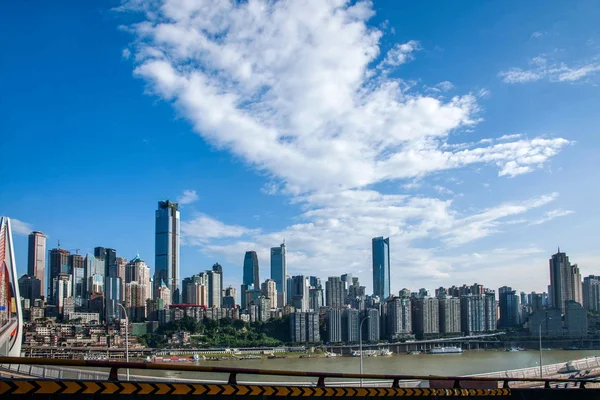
{"x":59,"y":243}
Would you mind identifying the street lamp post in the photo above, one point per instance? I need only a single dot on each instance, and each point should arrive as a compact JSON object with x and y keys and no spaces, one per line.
{"x":360,"y":344}
{"x":126,"y":336}
{"x":540,"y":332}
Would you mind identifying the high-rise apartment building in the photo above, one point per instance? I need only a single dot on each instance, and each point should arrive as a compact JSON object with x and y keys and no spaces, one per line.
{"x":565,"y":281}
{"x":449,"y":314}
{"x":300,"y":293}
{"x":372,"y":325}
{"x":335,"y":292}
{"x":425,"y":315}
{"x":381,"y":267}
{"x":350,"y":325}
{"x":315,"y":299}
{"x":333,"y":318}
{"x":251,"y":270}
{"x":219,"y":269}
{"x":398,"y":316}
{"x":591,"y":293}
{"x":279,"y":273}
{"x":166,"y":249}
{"x":509,"y":307}
{"x":36,"y":259}
{"x":62,"y":290}
{"x":269,"y":290}
{"x":215,"y":291}
{"x":478,"y":312}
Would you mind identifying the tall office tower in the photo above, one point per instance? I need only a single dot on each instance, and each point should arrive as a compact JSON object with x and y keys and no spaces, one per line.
{"x":89,"y":269}
{"x":381,"y":267}
{"x":251,"y":276}
{"x":214,"y":289}
{"x":591,"y":293}
{"x":59,"y":263}
{"x":524,"y":298}
{"x":288,"y":290}
{"x":36,"y":258}
{"x":398,"y":316}
{"x":449,"y":314}
{"x":335,"y":292}
{"x":371,"y":327}
{"x":350,"y":325}
{"x":121,"y":266}
{"x":76,"y":264}
{"x":166,"y":248}
{"x":315,"y":282}
{"x":299,"y":293}
{"x":30,"y":288}
{"x":509,"y":307}
{"x":565,"y":281}
{"x":315,"y":299}
{"x":333,"y":317}
{"x":218,"y":268}
{"x":425,"y":315}
{"x":112,"y":283}
{"x":279,"y":273}
{"x":269,"y":290}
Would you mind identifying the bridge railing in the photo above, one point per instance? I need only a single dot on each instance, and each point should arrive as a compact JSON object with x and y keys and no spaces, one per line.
{"x":26,"y":366}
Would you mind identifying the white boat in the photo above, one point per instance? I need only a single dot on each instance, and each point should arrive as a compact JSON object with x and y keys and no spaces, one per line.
{"x":365,"y":353}
{"x":385,"y":352}
{"x":445,"y":350}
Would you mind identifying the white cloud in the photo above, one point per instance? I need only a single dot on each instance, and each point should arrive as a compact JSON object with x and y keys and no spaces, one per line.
{"x":270,"y":188}
{"x":19,"y":227}
{"x":202,"y":228}
{"x":542,"y":68}
{"x":550,"y":215}
{"x":400,"y":54}
{"x":445,"y":86}
{"x":188,"y":197}
{"x":126,"y":53}
{"x":537,"y":34}
{"x":300,"y":91}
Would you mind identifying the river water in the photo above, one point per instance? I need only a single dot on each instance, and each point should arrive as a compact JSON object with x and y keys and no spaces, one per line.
{"x":467,"y":363}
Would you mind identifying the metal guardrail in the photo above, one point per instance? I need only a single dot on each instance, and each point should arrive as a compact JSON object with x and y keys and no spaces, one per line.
{"x":321,"y":376}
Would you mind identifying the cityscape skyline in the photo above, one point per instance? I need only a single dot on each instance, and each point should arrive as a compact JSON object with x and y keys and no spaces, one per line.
{"x":110,"y":267}
{"x":470,"y":146}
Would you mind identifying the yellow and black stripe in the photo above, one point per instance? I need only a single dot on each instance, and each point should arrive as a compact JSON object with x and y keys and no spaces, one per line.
{"x":51,"y":387}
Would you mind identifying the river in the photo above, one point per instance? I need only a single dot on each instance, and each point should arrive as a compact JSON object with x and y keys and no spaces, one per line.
{"x":467,"y":363}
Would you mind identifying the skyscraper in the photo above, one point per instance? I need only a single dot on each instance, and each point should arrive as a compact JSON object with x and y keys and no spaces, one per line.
{"x":251,"y":269}
{"x":591,"y":293}
{"x":219,"y":269}
{"x":509,"y":307}
{"x":565,"y":281}
{"x":269,"y":290}
{"x":36,"y":260}
{"x":300,"y":290}
{"x":381,"y":267}
{"x":335,"y":292}
{"x":278,"y":273}
{"x":59,"y":263}
{"x":167,"y":247}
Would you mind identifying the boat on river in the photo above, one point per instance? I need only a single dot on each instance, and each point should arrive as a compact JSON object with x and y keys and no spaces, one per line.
{"x":445,"y":350}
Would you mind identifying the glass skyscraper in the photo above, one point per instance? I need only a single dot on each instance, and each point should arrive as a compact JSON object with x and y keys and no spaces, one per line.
{"x":166,"y":248}
{"x":251,"y":270}
{"x":381,"y":267}
{"x":278,"y":272}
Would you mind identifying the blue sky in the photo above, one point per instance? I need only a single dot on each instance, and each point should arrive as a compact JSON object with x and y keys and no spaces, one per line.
{"x":467,"y":132}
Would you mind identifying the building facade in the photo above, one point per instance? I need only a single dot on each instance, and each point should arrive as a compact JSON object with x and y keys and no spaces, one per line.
{"x":166,"y":262}
{"x":279,"y":273}
{"x":36,"y":258}
{"x":381,"y":267}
